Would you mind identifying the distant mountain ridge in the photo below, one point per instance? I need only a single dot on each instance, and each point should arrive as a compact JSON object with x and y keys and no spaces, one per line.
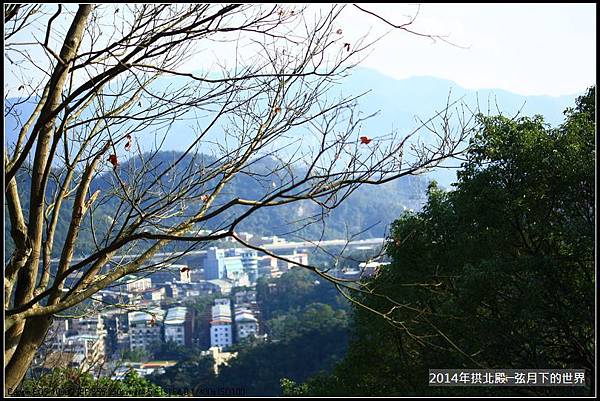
{"x":367,"y":212}
{"x":399,"y":103}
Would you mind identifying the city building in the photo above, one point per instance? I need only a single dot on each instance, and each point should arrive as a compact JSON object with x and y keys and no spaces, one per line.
{"x":171,"y":290}
{"x":295,"y":258}
{"x":197,"y":275}
{"x":221,"y":333}
{"x":179,"y":326}
{"x":133,"y":283}
{"x":244,"y":236}
{"x":145,"y":328}
{"x":249,"y":259}
{"x":81,"y":351}
{"x":245,"y":323}
{"x":226,"y":264}
{"x":90,"y":325}
{"x":371,"y":268}
{"x":120,"y":296}
{"x":78,"y":343}
{"x":155,"y":294}
{"x":222,"y":301}
{"x":245,"y":297}
{"x":219,"y":286}
{"x":270,"y":266}
{"x":273,"y":240}
{"x":267,"y":267}
{"x":170,"y":273}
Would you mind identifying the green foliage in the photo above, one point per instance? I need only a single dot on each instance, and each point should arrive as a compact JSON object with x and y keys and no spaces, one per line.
{"x":182,"y":378}
{"x":170,"y":350}
{"x":260,"y":368}
{"x":297,"y":322}
{"x":74,"y":383}
{"x":361,"y":211}
{"x":135,"y":355}
{"x":295,"y":288}
{"x":498,"y":273}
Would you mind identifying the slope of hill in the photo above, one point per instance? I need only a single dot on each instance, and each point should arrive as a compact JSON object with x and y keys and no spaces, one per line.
{"x":400,"y":104}
{"x":367,"y":211}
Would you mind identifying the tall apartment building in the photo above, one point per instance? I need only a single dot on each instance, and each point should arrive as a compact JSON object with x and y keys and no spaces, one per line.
{"x":179,"y":326}
{"x":245,"y":323}
{"x":249,"y":259}
{"x":221,"y":333}
{"x":145,"y":328}
{"x":78,"y":343}
{"x":221,"y":265}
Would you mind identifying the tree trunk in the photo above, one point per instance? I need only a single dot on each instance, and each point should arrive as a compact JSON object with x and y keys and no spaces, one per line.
{"x":33,"y":335}
{"x":24,"y":338}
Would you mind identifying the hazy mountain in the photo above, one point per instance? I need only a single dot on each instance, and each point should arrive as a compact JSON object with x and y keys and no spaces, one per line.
{"x":368,"y":211}
{"x":400,"y":103}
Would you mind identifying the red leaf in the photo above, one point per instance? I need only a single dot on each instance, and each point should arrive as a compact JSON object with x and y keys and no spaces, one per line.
{"x":204,"y":198}
{"x":365,"y":140}
{"x":113,"y":160}
{"x":339,"y":31}
{"x":277,"y":109}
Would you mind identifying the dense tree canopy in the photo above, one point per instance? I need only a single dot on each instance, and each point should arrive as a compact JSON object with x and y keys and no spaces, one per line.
{"x":74,"y":383}
{"x":498,"y":273}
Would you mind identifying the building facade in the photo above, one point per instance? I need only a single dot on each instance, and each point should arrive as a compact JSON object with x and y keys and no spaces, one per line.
{"x":246,"y":324}
{"x":179,"y":326}
{"x":145,"y":328}
{"x":221,"y":332}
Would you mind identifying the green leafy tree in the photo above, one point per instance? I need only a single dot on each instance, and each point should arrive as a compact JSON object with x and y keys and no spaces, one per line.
{"x":182,"y":378}
{"x":74,"y":383}
{"x":293,"y":289}
{"x":498,"y":273}
{"x":135,"y":355}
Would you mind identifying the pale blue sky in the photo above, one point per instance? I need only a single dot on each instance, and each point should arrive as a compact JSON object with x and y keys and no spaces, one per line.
{"x":530,"y":49}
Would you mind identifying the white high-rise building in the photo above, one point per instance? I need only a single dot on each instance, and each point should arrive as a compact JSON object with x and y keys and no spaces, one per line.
{"x":221,"y":333}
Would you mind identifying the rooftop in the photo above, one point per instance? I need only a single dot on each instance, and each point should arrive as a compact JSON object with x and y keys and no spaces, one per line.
{"x":176,"y":315}
{"x":146,"y":317}
{"x":245,"y":317}
{"x":221,"y":311}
